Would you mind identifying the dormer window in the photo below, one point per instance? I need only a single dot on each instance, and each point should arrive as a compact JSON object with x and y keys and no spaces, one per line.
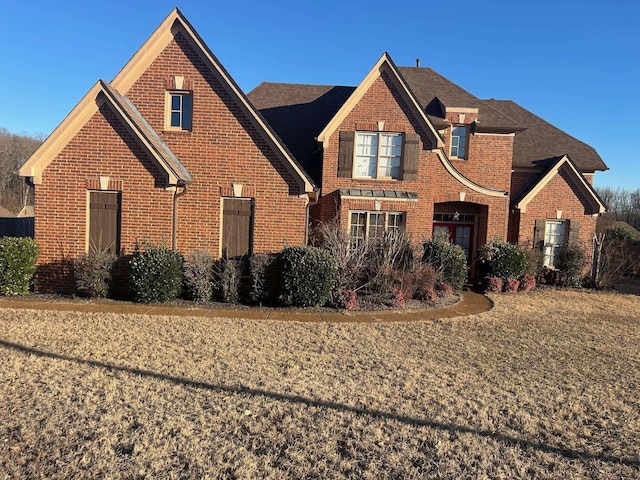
{"x":459,"y":134}
{"x":377,"y":155}
{"x":179,"y":110}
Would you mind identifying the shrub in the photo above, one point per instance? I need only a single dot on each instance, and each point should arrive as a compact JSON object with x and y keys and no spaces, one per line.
{"x":535,"y":260}
{"x":17,"y":264}
{"x":449,"y":261}
{"x":350,"y":299}
{"x":93,"y":272}
{"x":308,"y":276}
{"x":156,"y":273}
{"x":493,"y":284}
{"x":389,"y":263}
{"x":444,"y":290}
{"x":571,"y":262}
{"x":528,"y":282}
{"x":265,"y":278}
{"x":397,"y":299}
{"x":228,"y":273}
{"x":512,"y":285}
{"x":198,"y":276}
{"x":426,"y":280}
{"x":504,"y":260}
{"x":621,"y":233}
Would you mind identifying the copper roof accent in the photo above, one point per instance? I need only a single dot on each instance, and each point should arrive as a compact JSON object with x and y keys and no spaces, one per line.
{"x":380,"y":194}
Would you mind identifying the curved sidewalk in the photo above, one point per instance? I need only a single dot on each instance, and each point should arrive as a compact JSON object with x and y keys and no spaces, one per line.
{"x":470,"y":304}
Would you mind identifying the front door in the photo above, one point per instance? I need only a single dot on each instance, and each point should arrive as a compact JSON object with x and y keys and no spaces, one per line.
{"x":459,"y":234}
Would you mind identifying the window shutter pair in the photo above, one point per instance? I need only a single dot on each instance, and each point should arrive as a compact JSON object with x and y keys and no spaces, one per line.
{"x":573,"y":236}
{"x":410,"y":155}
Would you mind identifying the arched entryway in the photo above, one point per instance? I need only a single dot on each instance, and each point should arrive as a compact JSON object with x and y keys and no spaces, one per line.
{"x":465,"y":224}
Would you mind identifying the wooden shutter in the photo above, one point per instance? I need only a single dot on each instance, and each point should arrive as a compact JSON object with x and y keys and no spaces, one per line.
{"x":104,"y":221}
{"x":411,"y":156}
{"x":538,"y":234}
{"x":574,"y":232}
{"x":237,"y":226}
{"x":345,"y":154}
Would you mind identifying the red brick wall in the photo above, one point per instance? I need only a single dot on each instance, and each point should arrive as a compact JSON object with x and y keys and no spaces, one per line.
{"x":222,"y":148}
{"x":489,"y":165}
{"x":561,"y":193}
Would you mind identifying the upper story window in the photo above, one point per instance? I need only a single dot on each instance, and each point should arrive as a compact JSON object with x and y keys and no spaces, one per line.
{"x":377,"y":155}
{"x":179,"y":111}
{"x":459,"y":134}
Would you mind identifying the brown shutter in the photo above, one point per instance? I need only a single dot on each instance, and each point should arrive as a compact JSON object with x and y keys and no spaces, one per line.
{"x":574,"y":232}
{"x":237,"y":224}
{"x":104,"y":221}
{"x":538,"y":234}
{"x":411,"y":156}
{"x":345,"y":154}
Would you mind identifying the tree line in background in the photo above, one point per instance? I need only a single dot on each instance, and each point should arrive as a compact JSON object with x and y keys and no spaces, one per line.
{"x":15,"y":149}
{"x":622,"y":204}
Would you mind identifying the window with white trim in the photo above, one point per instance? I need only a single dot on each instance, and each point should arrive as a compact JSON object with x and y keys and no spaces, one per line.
{"x":179,"y":110}
{"x":459,"y":135}
{"x":555,"y":234}
{"x":377,"y":155}
{"x":367,"y":225}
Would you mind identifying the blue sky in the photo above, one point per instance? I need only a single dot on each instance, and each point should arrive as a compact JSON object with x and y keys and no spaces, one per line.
{"x":576,"y":63}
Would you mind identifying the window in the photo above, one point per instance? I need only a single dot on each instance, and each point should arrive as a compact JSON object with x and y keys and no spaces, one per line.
{"x":459,"y":141}
{"x":370,"y":225}
{"x":378,"y":155}
{"x":179,"y":110}
{"x":554,"y":238}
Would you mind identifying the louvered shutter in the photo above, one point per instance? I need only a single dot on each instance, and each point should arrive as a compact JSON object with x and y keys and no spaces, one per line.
{"x":411,"y":156}
{"x":574,"y":232}
{"x":538,"y":234}
{"x":345,"y":154}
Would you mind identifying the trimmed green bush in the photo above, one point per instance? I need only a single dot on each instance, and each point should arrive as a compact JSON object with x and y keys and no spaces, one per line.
{"x":17,"y":264}
{"x":93,"y":273}
{"x":198,"y":276}
{"x":308,"y":276}
{"x":504,"y":260}
{"x":265,"y":278}
{"x":571,"y":262}
{"x":448,"y":259}
{"x":156,"y":273}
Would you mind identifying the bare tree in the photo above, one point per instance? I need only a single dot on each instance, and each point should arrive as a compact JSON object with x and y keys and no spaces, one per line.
{"x":15,"y":149}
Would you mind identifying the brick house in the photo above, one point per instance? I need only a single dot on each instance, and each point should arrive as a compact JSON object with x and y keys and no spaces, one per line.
{"x":169,"y":151}
{"x":409,"y":149}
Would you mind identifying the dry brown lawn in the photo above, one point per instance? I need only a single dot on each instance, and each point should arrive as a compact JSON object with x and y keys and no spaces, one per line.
{"x":546,"y":385}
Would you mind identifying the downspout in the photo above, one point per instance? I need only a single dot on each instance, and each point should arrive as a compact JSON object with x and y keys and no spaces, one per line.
{"x":312,"y":199}
{"x":174,"y":222}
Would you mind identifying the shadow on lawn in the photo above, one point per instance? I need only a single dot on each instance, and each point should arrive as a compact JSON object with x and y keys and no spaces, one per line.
{"x":564,"y":452}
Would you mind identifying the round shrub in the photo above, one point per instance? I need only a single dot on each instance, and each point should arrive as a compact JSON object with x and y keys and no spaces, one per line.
{"x":198,"y":276}
{"x":156,"y":273}
{"x":448,"y":259}
{"x":504,"y":260}
{"x":17,"y":264}
{"x":93,"y":273}
{"x":308,"y":276}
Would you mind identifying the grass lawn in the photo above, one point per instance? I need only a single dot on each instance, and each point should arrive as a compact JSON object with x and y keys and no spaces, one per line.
{"x":545,"y":385}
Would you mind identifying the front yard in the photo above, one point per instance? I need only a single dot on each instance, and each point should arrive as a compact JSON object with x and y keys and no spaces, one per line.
{"x":545,"y":385}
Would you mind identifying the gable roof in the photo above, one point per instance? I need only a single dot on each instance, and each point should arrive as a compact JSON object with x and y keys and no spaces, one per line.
{"x":175,"y":22}
{"x":522,"y":201}
{"x":543,"y":141}
{"x":384,"y":64}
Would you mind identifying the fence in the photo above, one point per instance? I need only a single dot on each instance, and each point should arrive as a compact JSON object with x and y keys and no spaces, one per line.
{"x":17,"y":227}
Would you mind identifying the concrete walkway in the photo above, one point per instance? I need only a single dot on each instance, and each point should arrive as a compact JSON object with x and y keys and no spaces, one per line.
{"x":470,"y":304}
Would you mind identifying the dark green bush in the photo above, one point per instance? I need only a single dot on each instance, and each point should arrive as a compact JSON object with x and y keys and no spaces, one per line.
{"x":93,"y":273}
{"x":198,"y":276}
{"x":621,"y":233}
{"x":308,"y":276}
{"x":17,"y":264}
{"x":504,"y":260}
{"x":265,"y":278}
{"x":156,"y":273}
{"x":448,"y":259}
{"x":571,"y":262}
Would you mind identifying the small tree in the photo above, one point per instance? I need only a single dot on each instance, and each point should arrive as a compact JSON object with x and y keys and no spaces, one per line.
{"x":613,"y":257}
